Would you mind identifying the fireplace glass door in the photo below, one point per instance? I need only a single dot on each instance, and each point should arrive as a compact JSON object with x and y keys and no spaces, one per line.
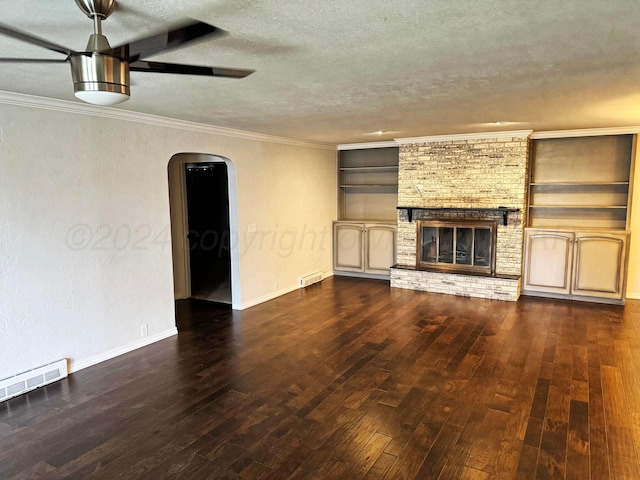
{"x":457,"y":246}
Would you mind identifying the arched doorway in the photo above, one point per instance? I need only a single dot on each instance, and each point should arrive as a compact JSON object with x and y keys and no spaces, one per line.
{"x":195,"y":190}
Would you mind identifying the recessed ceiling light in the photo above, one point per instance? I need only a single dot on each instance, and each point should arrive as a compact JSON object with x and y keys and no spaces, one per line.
{"x":383,"y":132}
{"x":502,"y":122}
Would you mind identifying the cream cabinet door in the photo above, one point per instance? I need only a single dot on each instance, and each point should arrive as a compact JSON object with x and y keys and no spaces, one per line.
{"x":348,"y":247}
{"x":380,"y":248}
{"x":548,"y":259}
{"x":599,"y":260}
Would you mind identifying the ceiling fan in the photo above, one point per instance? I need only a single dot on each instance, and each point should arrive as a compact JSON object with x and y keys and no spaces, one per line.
{"x":101,"y":73}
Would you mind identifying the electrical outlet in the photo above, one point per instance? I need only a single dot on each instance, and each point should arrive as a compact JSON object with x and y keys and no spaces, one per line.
{"x":275,"y":286}
{"x":144,"y":330}
{"x":252,"y":228}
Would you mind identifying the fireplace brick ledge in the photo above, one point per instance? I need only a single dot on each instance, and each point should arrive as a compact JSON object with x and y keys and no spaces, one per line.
{"x":504,"y":211}
{"x":498,"y":287}
{"x":466,"y":274}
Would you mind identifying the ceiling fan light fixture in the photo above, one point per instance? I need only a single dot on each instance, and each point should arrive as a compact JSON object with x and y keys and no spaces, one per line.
{"x":101,"y":97}
{"x":100,"y":79}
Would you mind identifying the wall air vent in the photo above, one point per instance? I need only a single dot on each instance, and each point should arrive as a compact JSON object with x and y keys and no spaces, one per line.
{"x":38,"y":377}
{"x":310,"y":279}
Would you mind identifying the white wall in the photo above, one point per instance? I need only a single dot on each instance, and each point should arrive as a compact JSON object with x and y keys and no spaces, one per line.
{"x":292,"y":241}
{"x":85,"y":256}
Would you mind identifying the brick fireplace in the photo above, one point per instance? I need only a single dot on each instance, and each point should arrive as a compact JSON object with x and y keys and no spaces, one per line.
{"x":463,"y":178}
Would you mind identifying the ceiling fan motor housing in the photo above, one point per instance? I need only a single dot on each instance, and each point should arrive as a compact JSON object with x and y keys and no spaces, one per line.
{"x":94,"y":72}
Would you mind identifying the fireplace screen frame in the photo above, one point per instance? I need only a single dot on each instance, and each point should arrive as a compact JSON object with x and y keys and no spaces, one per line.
{"x":452,"y":267}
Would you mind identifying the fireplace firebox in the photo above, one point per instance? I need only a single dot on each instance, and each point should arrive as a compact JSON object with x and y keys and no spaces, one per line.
{"x":457,"y":246}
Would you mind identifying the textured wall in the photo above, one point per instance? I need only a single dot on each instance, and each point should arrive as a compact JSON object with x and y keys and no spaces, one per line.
{"x":85,"y":242}
{"x":465,"y":173}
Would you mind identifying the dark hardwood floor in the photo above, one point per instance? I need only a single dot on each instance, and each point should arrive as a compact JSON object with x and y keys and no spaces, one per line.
{"x":350,"y":379}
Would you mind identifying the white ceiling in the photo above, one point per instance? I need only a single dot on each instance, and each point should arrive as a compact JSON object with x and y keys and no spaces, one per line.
{"x":335,"y":71}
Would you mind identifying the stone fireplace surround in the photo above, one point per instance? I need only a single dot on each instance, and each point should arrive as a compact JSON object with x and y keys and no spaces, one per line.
{"x":463,"y":175}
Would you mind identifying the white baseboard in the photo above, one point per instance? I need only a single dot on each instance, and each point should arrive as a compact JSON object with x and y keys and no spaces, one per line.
{"x":633,"y":295}
{"x":327,"y":275}
{"x":276,"y":294}
{"x":267,"y":297}
{"x":143,"y":342}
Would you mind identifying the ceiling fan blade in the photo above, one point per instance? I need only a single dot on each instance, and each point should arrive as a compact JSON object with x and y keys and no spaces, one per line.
{"x":32,"y":60}
{"x":163,"y":41}
{"x":32,"y":39}
{"x":162,"y":67}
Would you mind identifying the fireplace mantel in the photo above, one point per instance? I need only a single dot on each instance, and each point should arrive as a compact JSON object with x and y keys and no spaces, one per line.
{"x":505,"y":211}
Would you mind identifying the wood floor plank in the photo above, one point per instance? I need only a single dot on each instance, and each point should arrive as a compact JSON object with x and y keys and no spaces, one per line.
{"x":622,"y":454}
{"x":487,"y":441}
{"x":507,"y":457}
{"x":381,"y":467}
{"x":578,"y":441}
{"x":553,"y":448}
{"x":367,"y":457}
{"x":598,"y":450}
{"x":527,"y":463}
{"x":414,"y":453}
{"x":349,"y":379}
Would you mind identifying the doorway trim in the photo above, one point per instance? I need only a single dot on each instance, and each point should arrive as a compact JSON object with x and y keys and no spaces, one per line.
{"x":180,"y":228}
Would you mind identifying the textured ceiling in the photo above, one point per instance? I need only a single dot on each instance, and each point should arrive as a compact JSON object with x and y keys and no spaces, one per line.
{"x":335,"y":71}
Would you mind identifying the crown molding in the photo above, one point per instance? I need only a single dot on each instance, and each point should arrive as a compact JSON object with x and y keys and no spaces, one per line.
{"x":465,"y":136}
{"x":586,"y":132}
{"x":33,"y":101}
{"x":359,"y":146}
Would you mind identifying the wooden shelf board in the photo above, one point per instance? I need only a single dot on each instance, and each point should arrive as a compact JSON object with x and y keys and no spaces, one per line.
{"x":381,"y":168}
{"x":576,"y":184}
{"x":618,"y":207}
{"x":369,"y":185}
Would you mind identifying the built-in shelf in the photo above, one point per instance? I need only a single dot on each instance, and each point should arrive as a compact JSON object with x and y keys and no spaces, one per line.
{"x":368,"y":183}
{"x":505,"y":211}
{"x":578,"y":182}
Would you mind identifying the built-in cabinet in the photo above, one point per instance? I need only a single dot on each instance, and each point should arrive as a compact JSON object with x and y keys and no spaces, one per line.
{"x":368,"y":248}
{"x":578,"y":216}
{"x":575,"y":263}
{"x":364,"y":238}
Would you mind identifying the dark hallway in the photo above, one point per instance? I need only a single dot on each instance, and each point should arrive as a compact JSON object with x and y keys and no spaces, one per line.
{"x":209,"y":232}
